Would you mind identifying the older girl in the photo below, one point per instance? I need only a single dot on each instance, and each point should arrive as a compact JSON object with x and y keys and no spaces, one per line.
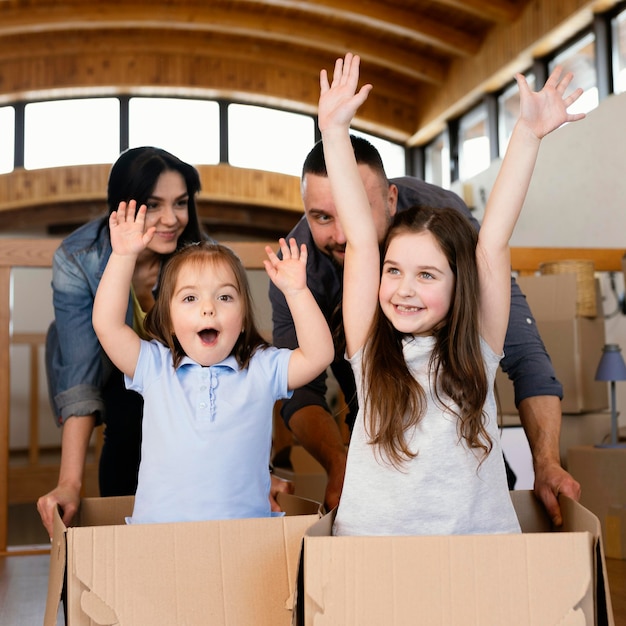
{"x":426,"y":335}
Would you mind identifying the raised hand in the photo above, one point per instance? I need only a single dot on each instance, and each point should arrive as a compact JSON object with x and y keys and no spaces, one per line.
{"x":288,"y":273}
{"x":340,"y":100}
{"x":127,"y":229}
{"x":544,"y":111}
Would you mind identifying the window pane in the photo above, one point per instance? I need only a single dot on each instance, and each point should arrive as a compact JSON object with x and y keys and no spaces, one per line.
{"x":190,"y":129}
{"x":619,"y":53}
{"x":508,"y":112}
{"x":268,"y":139}
{"x":392,"y":154}
{"x":71,"y":132}
{"x":580,"y":59}
{"x":7,"y":139}
{"x":474,"y":152}
{"x":437,"y":161}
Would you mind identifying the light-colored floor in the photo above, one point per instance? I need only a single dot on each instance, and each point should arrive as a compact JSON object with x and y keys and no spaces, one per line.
{"x":23,"y":590}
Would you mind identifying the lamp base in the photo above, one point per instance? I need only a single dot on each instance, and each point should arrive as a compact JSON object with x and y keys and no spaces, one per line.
{"x":610,"y":445}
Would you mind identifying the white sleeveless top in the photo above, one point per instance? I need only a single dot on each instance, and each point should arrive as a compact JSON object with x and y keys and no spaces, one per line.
{"x":441,"y":491}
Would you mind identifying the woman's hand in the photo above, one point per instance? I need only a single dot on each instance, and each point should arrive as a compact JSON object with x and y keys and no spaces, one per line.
{"x":68,"y":498}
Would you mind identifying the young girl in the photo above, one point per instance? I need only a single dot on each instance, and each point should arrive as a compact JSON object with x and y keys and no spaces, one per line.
{"x":425,"y":335}
{"x":208,"y":379}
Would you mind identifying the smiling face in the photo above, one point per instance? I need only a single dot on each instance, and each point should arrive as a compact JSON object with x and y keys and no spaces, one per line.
{"x":321,"y":214}
{"x":167,"y":211}
{"x":207,"y":311}
{"x":416,"y":284}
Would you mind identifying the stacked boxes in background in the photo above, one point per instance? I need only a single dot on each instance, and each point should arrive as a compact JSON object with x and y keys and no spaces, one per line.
{"x":574,"y":343}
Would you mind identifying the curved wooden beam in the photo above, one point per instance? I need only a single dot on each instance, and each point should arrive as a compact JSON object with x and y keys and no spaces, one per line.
{"x":233,"y":200}
{"x":342,"y":31}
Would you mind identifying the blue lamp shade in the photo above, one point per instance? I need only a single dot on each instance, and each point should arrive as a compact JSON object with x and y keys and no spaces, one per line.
{"x":611,"y":366}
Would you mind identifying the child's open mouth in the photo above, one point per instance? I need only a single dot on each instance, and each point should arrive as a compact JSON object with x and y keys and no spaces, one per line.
{"x":208,"y":336}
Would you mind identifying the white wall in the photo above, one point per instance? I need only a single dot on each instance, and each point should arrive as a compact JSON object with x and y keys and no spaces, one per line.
{"x":577,"y":199}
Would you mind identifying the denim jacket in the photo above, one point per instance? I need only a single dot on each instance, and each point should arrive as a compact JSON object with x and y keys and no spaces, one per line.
{"x":76,"y":364}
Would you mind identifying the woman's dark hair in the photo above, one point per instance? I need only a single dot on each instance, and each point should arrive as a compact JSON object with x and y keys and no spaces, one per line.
{"x":134,"y":176}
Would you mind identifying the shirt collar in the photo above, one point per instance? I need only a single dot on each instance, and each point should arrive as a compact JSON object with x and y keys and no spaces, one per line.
{"x":230,"y":362}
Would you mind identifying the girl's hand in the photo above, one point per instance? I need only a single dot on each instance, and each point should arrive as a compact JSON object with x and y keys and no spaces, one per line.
{"x":340,"y":100}
{"x":288,"y":273}
{"x":127,"y":230}
{"x":546,"y":110}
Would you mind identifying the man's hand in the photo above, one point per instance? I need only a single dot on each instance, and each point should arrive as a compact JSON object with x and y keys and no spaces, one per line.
{"x":550,"y":481}
{"x":541,"y":419}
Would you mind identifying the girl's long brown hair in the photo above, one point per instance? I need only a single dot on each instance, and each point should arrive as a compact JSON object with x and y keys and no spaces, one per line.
{"x":395,"y":402}
{"x":158,"y":322}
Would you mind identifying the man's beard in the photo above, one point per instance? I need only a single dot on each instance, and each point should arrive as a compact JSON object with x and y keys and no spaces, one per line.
{"x":330,"y":252}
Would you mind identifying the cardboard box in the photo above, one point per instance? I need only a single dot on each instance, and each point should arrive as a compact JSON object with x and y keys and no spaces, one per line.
{"x":616,"y":532}
{"x":601,"y":473}
{"x":307,"y":475}
{"x":231,"y":573}
{"x":573,"y":343}
{"x":531,"y":579}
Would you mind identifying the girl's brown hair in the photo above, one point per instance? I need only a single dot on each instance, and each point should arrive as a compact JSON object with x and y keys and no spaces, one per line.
{"x":158,"y":322}
{"x":395,"y":401}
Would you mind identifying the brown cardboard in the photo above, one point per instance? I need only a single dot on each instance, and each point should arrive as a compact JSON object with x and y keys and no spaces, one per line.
{"x":229,"y":573}
{"x":307,"y":475}
{"x":601,"y":473}
{"x":616,"y":532}
{"x":535,"y":578}
{"x":573,"y":343}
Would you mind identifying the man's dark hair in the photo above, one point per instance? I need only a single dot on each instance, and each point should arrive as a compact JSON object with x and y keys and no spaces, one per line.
{"x":364,"y":151}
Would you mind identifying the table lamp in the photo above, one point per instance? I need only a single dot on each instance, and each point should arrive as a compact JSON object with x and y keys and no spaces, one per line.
{"x":612,"y":368}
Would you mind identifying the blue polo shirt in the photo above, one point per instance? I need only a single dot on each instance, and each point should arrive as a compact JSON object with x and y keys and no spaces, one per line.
{"x":207,"y":434}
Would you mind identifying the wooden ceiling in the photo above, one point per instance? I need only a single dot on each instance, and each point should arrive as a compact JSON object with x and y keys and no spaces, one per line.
{"x":414,"y":51}
{"x":427,"y":59}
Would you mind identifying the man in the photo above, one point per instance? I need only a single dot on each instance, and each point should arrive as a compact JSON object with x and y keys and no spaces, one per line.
{"x":537,"y":391}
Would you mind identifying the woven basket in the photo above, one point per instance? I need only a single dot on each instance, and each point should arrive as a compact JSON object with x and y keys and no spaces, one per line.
{"x":585,"y":283}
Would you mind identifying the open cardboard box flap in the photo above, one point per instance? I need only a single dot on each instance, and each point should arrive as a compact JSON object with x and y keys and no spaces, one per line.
{"x":227,"y":572}
{"x":534,"y":578}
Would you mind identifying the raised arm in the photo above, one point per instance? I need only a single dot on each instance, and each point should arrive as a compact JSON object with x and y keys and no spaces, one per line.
{"x":315,"y":349}
{"x":540,"y":114}
{"x":119,"y":340}
{"x":338,"y":104}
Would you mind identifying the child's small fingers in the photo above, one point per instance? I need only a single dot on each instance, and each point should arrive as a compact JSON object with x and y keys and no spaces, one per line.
{"x":284,"y":248}
{"x":130,"y":210}
{"x":270,"y":254}
{"x":293,"y":248}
